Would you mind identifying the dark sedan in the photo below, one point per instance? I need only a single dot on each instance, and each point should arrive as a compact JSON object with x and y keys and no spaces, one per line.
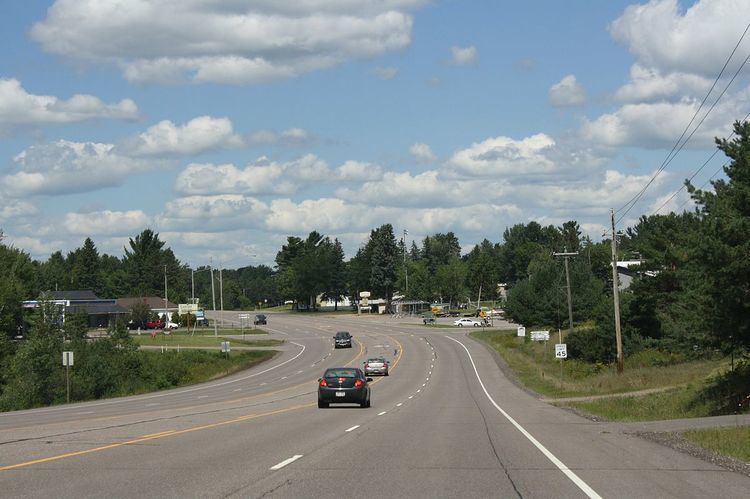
{"x":344,"y":385}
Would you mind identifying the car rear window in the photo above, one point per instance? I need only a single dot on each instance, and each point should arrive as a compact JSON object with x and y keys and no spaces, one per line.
{"x":341,"y":373}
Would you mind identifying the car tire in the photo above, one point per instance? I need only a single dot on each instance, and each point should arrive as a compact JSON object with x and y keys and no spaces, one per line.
{"x":476,"y":325}
{"x":322,"y":405}
{"x":460,"y":325}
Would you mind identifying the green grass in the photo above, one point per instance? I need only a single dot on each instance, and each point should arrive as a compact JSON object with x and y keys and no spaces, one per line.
{"x":199,"y":331}
{"x":536,"y":367}
{"x":732,"y":441}
{"x":201,"y":341}
{"x":671,"y":404}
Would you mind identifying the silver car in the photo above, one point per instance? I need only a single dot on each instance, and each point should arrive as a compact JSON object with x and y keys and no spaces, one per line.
{"x":376,"y":365}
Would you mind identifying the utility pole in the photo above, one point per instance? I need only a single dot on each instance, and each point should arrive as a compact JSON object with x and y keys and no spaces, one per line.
{"x":616,"y":296}
{"x":166,"y":317}
{"x":406,"y":268}
{"x":566,"y":255}
{"x":213,"y":295}
{"x":221,"y":293}
{"x":192,"y":286}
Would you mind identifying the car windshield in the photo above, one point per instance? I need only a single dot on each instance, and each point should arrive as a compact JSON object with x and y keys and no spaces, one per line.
{"x":341,"y":373}
{"x":375,"y":361}
{"x":343,"y":334}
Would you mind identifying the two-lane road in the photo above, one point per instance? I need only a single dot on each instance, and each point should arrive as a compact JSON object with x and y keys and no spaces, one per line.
{"x":446,"y":423}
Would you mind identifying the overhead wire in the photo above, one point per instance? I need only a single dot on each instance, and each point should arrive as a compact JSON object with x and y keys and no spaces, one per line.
{"x":697,"y":172}
{"x":680,"y":144}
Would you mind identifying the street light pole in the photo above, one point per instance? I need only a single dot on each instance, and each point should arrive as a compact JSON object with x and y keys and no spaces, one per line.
{"x":213,"y":296}
{"x":221,"y":294}
{"x":166,"y":317}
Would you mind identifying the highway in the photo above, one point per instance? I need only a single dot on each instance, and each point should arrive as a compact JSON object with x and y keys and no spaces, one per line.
{"x":445,"y":423}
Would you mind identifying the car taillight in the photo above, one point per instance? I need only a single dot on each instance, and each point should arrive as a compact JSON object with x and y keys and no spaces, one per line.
{"x":367,"y":365}
{"x":323,"y":382}
{"x":358,"y":383}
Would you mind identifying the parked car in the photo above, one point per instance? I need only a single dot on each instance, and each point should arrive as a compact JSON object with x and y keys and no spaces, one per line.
{"x":344,"y":385}
{"x":428,"y":320}
{"x":376,"y":365}
{"x":157,"y":324}
{"x":468,"y":322}
{"x":342,"y":340}
{"x":260,"y":320}
{"x":171,"y":325}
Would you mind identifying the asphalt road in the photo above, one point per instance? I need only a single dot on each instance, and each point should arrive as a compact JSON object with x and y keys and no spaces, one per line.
{"x":446,"y":423}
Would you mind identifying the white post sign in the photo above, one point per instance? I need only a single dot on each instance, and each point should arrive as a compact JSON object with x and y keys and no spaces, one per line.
{"x":521,"y":331}
{"x":67,"y":359}
{"x":561,"y":350}
{"x":225,"y":347}
{"x":540,"y":336}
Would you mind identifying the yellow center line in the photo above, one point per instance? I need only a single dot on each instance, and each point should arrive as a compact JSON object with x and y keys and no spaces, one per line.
{"x":155,"y":436}
{"x":170,"y":433}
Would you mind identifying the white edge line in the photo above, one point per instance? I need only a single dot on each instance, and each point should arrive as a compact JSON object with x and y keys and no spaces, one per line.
{"x":560,"y":465}
{"x":285,"y":462}
{"x":353,"y":427}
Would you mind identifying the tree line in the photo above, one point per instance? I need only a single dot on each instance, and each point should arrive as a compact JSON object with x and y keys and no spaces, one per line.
{"x":691,"y":293}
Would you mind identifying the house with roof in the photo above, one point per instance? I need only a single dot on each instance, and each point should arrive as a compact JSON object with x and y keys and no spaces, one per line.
{"x":100,"y":312}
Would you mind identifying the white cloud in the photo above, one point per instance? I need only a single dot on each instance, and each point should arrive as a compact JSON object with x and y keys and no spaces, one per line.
{"x":503,"y":156}
{"x":359,"y":171}
{"x":385,"y":73}
{"x":650,"y":85}
{"x":289,"y":137}
{"x":200,"y":134}
{"x":18,"y":107}
{"x":697,"y":40}
{"x":65,"y":167}
{"x":234,"y":42}
{"x":423,"y":190}
{"x":422,"y":152}
{"x":13,"y":209}
{"x":567,"y":92}
{"x":213,"y":213}
{"x":106,"y":222}
{"x":461,"y":56}
{"x":263,"y":177}
{"x":660,"y":124}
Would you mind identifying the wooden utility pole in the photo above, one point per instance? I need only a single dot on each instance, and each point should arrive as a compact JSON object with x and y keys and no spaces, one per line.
{"x":567,"y":280}
{"x":616,"y":296}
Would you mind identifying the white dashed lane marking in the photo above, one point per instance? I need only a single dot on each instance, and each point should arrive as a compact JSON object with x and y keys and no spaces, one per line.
{"x":381,"y":413}
{"x":285,"y":462}
{"x":399,"y":404}
{"x":353,"y":428}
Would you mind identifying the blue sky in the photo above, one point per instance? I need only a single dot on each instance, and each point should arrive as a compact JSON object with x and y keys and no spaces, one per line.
{"x":228,"y":126}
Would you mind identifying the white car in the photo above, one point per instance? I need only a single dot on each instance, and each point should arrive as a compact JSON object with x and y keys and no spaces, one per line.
{"x":466,"y":321}
{"x":171,"y":325}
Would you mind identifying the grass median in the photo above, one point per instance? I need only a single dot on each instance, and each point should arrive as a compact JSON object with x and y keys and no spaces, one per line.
{"x":186,"y":340}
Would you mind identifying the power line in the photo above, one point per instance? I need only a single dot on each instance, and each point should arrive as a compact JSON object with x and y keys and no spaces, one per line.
{"x":679,"y":144}
{"x":698,"y":171}
{"x":704,"y":184}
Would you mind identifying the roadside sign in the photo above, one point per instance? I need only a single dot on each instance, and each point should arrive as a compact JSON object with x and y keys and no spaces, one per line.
{"x":540,"y":336}
{"x":364,"y":294}
{"x":187,"y":308}
{"x":521,"y":331}
{"x":244,"y":316}
{"x":67,"y":358}
{"x":561,"y":350}
{"x":225,"y":347}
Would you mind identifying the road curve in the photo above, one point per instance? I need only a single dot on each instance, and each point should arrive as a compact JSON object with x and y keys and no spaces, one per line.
{"x":446,"y":423}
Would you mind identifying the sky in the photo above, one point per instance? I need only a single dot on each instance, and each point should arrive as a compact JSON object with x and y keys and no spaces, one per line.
{"x":227,"y":126}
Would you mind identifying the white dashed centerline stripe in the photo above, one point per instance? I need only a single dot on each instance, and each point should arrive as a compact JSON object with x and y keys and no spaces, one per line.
{"x":560,"y":465}
{"x":353,"y":427}
{"x":285,"y":462}
{"x":381,"y":413}
{"x":411,"y":397}
{"x":399,"y":404}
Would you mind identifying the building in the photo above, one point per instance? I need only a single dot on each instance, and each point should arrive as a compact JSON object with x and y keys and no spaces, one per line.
{"x":155,"y":303}
{"x":101,"y":312}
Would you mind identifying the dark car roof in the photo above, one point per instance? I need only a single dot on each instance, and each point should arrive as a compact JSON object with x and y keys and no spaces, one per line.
{"x":343,"y":333}
{"x":343,"y":372}
{"x":260,"y":315}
